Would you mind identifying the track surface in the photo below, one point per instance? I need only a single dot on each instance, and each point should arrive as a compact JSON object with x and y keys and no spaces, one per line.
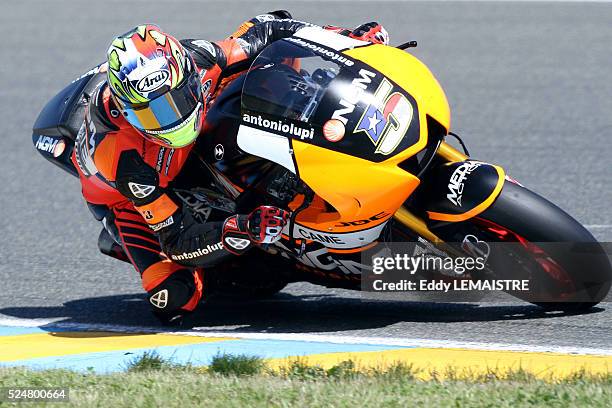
{"x":530,"y":87}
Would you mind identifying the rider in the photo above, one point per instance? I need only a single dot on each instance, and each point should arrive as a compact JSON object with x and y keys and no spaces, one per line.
{"x":139,"y":128}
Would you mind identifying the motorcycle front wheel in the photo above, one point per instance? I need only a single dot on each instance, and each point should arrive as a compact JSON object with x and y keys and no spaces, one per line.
{"x":567,"y":268}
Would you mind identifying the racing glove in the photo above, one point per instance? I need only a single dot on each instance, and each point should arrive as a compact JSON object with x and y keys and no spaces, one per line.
{"x":372,"y":32}
{"x":262,"y":226}
{"x":270,"y":15}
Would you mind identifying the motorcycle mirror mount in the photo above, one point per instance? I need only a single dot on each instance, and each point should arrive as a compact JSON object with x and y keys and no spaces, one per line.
{"x":409,"y":44}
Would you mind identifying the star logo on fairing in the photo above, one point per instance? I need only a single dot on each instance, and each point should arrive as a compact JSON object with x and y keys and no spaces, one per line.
{"x":386,"y":119}
{"x":373,"y":123}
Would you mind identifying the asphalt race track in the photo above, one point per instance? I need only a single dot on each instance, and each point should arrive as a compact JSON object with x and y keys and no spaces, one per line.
{"x":530,"y":86}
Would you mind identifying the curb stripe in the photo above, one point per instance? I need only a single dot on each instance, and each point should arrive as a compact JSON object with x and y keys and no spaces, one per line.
{"x":199,"y":354}
{"x":407,"y":342}
{"x":47,"y":325}
{"x":439,"y":361}
{"x":49,"y":344}
{"x":37,"y":345}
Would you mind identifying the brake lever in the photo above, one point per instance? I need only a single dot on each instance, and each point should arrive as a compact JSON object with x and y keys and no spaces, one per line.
{"x":409,"y":44}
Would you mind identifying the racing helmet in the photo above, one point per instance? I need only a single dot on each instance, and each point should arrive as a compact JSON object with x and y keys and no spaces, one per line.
{"x":156,"y":85}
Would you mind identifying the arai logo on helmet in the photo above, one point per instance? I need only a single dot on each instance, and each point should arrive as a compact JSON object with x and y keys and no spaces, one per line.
{"x":153,"y":81}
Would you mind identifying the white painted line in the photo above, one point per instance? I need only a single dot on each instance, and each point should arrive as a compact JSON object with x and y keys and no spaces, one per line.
{"x":319,"y":338}
{"x":405,"y":342}
{"x":598,"y":226}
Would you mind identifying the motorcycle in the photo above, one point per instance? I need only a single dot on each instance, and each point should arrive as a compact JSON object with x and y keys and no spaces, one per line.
{"x":351,"y":137}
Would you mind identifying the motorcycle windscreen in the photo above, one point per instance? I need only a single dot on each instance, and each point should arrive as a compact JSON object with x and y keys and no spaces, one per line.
{"x":334,"y":121}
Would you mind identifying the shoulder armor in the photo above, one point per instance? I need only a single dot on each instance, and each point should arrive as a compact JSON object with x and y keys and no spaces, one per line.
{"x":136,"y":180}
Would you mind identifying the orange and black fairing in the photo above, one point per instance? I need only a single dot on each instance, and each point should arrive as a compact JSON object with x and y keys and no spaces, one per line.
{"x":356,"y":121}
{"x":352,"y":124}
{"x":458,"y":190}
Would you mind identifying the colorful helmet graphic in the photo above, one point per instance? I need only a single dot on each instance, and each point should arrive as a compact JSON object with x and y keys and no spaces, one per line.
{"x":156,"y":85}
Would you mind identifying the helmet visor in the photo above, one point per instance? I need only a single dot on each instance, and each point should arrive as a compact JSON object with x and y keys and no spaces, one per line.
{"x":168,"y":112}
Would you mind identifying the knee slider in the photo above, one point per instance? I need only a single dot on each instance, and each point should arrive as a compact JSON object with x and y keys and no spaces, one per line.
{"x":175,"y":292}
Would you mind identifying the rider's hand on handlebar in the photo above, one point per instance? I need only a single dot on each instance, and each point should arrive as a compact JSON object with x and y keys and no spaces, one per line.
{"x":372,"y":32}
{"x":265,"y":224}
{"x":262,"y":226}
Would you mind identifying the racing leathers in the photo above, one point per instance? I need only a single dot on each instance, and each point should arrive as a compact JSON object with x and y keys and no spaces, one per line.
{"x":132,"y":177}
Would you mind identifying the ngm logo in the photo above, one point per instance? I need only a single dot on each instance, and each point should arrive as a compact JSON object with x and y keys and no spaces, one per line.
{"x":50,"y":145}
{"x":352,"y":95}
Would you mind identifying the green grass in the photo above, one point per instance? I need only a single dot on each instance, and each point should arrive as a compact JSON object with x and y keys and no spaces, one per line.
{"x":148,"y":361}
{"x":238,"y":365}
{"x":243,"y":381}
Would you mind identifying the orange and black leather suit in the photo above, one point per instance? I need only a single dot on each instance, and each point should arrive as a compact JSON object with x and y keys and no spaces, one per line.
{"x":132,"y":176}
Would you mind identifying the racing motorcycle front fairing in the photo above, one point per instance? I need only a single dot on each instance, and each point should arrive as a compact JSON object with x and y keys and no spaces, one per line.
{"x":358,"y":123}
